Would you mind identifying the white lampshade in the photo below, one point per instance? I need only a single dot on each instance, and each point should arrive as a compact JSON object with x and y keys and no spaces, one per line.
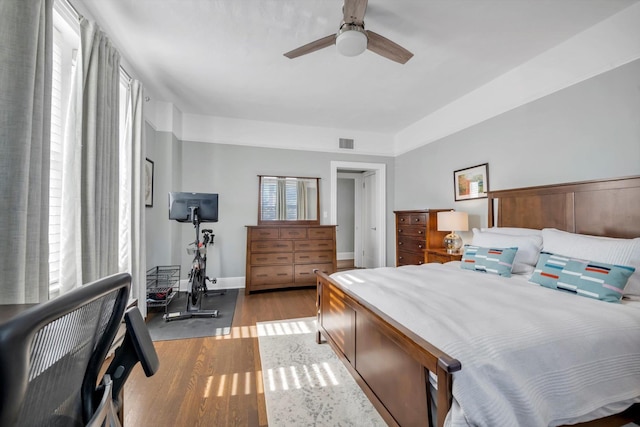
{"x":351,"y":42}
{"x":453,"y":221}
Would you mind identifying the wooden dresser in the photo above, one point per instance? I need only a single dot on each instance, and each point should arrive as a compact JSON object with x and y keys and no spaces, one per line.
{"x":284,"y":256}
{"x":417,"y":231}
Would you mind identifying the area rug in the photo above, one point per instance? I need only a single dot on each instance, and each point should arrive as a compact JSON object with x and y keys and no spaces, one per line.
{"x":160,"y":330}
{"x":305,"y":384}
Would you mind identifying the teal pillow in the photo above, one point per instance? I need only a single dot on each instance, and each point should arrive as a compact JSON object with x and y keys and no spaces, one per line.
{"x":488,"y":260}
{"x":591,"y":279}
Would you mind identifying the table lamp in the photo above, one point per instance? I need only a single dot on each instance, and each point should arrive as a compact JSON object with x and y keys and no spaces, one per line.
{"x":453,"y":221}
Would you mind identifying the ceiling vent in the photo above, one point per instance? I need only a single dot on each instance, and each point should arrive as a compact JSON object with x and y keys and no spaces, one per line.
{"x":346,"y":143}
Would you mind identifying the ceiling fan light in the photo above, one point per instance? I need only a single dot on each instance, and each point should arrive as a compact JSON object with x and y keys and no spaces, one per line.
{"x":351,"y":42}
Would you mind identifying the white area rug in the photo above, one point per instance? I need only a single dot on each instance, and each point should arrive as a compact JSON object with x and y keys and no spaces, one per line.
{"x":305,"y":384}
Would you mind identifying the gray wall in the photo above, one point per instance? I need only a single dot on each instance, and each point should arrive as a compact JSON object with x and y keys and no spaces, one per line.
{"x":232,"y":172}
{"x":345,"y":234}
{"x":588,"y":131}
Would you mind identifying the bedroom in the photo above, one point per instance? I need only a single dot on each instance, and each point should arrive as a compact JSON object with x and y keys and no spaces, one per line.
{"x":579,"y":117}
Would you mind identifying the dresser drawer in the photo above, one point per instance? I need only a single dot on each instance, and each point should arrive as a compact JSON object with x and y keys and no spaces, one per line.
{"x":264,"y":233}
{"x":305,"y":274}
{"x":411,"y":230}
{"x":411,"y":244}
{"x":293,"y":233}
{"x":410,"y":258}
{"x":321,"y":232}
{"x":271,"y":274}
{"x":314,"y":245}
{"x":271,"y":258}
{"x":313,"y":256}
{"x":412,"y":219}
{"x":272,"y":246}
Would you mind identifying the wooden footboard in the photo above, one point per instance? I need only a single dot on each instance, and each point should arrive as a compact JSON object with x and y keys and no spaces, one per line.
{"x":390,"y":363}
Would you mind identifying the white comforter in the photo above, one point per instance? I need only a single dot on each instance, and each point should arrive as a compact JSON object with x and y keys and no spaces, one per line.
{"x":531,"y":356}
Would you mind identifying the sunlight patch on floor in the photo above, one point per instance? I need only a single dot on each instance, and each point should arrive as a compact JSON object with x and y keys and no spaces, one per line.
{"x":283,"y":328}
{"x":316,"y":375}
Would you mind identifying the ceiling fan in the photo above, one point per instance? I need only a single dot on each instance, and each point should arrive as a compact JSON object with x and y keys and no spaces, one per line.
{"x":352,"y":39}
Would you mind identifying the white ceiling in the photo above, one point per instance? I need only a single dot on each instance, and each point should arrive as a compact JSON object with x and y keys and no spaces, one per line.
{"x":225,"y":57}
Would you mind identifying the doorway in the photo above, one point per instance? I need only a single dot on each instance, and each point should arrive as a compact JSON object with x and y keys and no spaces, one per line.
{"x":369,"y":212}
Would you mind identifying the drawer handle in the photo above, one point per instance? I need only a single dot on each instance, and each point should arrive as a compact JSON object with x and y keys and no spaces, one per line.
{"x":420,"y":246}
{"x":400,"y":257}
{"x":419,"y":262}
{"x":420,"y":231}
{"x":400,"y":230}
{"x":304,"y":257}
{"x":401,"y":219}
{"x":282,"y":257}
{"x":281,"y":246}
{"x":303,"y":274}
{"x":262,"y":275}
{"x":261,"y":259}
{"x":417,"y":219}
{"x":281,"y":274}
{"x":399,"y":243}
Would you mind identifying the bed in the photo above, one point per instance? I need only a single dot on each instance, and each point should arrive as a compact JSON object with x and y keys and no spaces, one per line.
{"x":452,"y":350}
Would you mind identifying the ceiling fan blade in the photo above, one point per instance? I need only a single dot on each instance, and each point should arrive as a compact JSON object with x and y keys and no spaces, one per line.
{"x":354,"y":10}
{"x":312,"y":47}
{"x":385,"y":47}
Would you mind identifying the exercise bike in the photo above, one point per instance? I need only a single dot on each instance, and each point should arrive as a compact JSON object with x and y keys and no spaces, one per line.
{"x":197,"y":288}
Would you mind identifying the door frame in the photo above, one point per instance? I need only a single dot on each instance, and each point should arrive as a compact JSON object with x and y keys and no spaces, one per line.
{"x":380,"y":170}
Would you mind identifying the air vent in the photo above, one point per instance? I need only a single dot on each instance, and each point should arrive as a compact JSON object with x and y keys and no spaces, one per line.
{"x":346,"y":143}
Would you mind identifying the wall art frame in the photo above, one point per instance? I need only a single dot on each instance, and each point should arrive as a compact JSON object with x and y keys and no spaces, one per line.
{"x":471,"y":183}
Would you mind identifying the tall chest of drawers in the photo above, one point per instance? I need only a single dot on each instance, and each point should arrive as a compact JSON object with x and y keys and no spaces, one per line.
{"x":417,"y":231}
{"x":285,"y":256}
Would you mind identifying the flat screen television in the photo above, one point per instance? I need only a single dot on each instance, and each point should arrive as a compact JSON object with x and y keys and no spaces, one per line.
{"x":205,"y":206}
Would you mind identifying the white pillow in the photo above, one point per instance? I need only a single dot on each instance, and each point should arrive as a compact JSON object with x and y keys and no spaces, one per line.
{"x":513,"y":231}
{"x":529,"y":247}
{"x":595,"y":248}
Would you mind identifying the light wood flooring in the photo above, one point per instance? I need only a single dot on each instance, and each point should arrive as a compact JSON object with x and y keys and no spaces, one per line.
{"x":215,"y":381}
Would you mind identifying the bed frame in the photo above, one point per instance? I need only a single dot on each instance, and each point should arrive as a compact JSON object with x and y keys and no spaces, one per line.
{"x":393,"y":365}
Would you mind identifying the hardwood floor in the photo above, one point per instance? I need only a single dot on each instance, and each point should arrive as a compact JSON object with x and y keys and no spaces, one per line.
{"x":214,"y":381}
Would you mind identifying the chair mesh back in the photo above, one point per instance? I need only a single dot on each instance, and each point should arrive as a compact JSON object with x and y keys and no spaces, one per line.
{"x":51,"y":355}
{"x":59,"y":356}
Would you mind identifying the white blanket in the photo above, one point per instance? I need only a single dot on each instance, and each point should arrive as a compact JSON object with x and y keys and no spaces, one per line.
{"x":531,"y":356}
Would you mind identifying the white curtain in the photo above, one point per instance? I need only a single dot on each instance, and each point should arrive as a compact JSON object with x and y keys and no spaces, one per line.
{"x":89,"y":210}
{"x":132,"y":215}
{"x":26,"y":30}
{"x":301,"y":192}
{"x":281,"y":199}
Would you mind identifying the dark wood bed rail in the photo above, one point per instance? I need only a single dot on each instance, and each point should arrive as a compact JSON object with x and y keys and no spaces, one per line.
{"x":349,"y":324}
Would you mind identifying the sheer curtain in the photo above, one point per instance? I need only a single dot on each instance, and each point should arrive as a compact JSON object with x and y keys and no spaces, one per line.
{"x":132,"y":223}
{"x":90,"y":210}
{"x":281,"y":199}
{"x":25,"y":106}
{"x":301,"y":189}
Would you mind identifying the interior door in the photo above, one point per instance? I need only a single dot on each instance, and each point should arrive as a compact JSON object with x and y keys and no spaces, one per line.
{"x":369,"y":221}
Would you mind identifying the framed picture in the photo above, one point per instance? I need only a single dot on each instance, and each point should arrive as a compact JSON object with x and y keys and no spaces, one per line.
{"x":148,"y":182}
{"x":471,"y":183}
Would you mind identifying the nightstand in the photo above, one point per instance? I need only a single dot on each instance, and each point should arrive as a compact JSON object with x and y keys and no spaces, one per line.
{"x":440,"y":255}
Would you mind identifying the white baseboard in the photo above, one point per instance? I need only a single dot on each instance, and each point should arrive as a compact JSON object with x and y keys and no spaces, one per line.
{"x":221,"y":283}
{"x":344,"y":255}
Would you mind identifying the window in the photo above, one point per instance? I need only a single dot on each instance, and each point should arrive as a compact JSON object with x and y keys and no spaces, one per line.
{"x":65,"y":45}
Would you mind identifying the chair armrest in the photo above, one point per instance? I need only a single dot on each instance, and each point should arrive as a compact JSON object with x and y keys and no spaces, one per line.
{"x":136,"y":347}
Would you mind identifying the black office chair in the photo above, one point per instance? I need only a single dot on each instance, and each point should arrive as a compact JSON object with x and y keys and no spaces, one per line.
{"x":51,"y":356}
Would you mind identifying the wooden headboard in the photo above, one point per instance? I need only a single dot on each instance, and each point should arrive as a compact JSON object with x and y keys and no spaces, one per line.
{"x":609,"y":207}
